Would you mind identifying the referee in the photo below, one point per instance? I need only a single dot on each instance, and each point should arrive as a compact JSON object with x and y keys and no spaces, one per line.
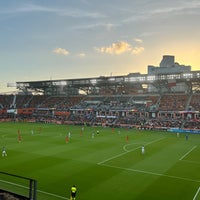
{"x":73,"y":192}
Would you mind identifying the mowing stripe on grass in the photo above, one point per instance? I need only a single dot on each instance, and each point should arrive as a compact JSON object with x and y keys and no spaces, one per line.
{"x":187,"y":153}
{"x":100,"y":163}
{"x":188,"y":161}
{"x":195,"y":196}
{"x":153,"y":173}
{"x":21,"y":186}
{"x":54,"y":195}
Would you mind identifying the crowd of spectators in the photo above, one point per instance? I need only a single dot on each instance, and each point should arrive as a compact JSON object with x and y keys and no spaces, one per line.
{"x":141,"y":110}
{"x":7,"y":196}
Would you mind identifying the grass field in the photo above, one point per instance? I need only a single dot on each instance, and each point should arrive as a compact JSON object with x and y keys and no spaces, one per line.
{"x":104,"y":167}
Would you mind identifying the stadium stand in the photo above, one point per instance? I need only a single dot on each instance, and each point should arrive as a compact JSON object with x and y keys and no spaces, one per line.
{"x":138,"y":111}
{"x":167,"y":97}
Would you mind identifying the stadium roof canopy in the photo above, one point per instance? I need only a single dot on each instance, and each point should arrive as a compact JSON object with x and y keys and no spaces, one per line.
{"x":131,"y":83}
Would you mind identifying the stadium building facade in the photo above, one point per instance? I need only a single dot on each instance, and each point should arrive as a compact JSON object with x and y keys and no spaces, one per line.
{"x":168,"y":77}
{"x":171,"y":69}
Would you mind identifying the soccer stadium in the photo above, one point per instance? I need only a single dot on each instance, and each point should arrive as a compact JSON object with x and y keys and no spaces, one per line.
{"x":133,"y":137}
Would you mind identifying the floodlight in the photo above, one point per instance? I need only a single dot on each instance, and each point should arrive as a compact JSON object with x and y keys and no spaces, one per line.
{"x":188,"y":75}
{"x":111,"y":79}
{"x":93,"y":81}
{"x":63,"y":83}
{"x":151,"y":78}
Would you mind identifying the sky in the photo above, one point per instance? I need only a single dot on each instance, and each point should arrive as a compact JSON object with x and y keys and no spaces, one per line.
{"x":65,"y":39}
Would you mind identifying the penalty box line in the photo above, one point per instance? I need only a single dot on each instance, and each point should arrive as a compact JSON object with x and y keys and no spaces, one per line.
{"x":195,"y":196}
{"x":121,"y":154}
{"x":194,"y":147}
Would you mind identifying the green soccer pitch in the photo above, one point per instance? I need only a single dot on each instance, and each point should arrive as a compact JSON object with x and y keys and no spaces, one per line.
{"x":109,"y":165}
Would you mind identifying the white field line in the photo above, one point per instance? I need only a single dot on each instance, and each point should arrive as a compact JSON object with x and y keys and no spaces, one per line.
{"x":50,"y":194}
{"x":118,"y":155}
{"x":188,"y":161}
{"x":187,"y":153}
{"x":124,"y":147}
{"x":113,"y":157}
{"x":195,"y":196}
{"x":7,"y":182}
{"x":153,"y":173}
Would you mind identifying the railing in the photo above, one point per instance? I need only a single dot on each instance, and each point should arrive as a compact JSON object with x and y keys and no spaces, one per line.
{"x":19,"y":186}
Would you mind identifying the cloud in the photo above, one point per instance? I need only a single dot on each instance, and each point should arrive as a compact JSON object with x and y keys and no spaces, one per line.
{"x":120,"y":48}
{"x":138,"y":40}
{"x":28,"y":8}
{"x":95,"y":26}
{"x":181,"y":7}
{"x":81,"y":55}
{"x":137,"y":50}
{"x":161,"y":9}
{"x":77,"y":13}
{"x":60,"y":11}
{"x":61,"y":51}
{"x":115,"y":48}
{"x":109,"y":26}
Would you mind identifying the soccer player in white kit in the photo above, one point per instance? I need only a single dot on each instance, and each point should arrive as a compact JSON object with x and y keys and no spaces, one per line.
{"x":4,"y":151}
{"x":143,"y":150}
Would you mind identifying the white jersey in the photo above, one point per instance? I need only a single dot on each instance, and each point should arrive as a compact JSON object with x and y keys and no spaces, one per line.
{"x":4,"y":152}
{"x":143,"y":150}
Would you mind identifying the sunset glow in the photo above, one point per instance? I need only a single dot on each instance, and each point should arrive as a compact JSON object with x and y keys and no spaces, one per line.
{"x":43,"y":40}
